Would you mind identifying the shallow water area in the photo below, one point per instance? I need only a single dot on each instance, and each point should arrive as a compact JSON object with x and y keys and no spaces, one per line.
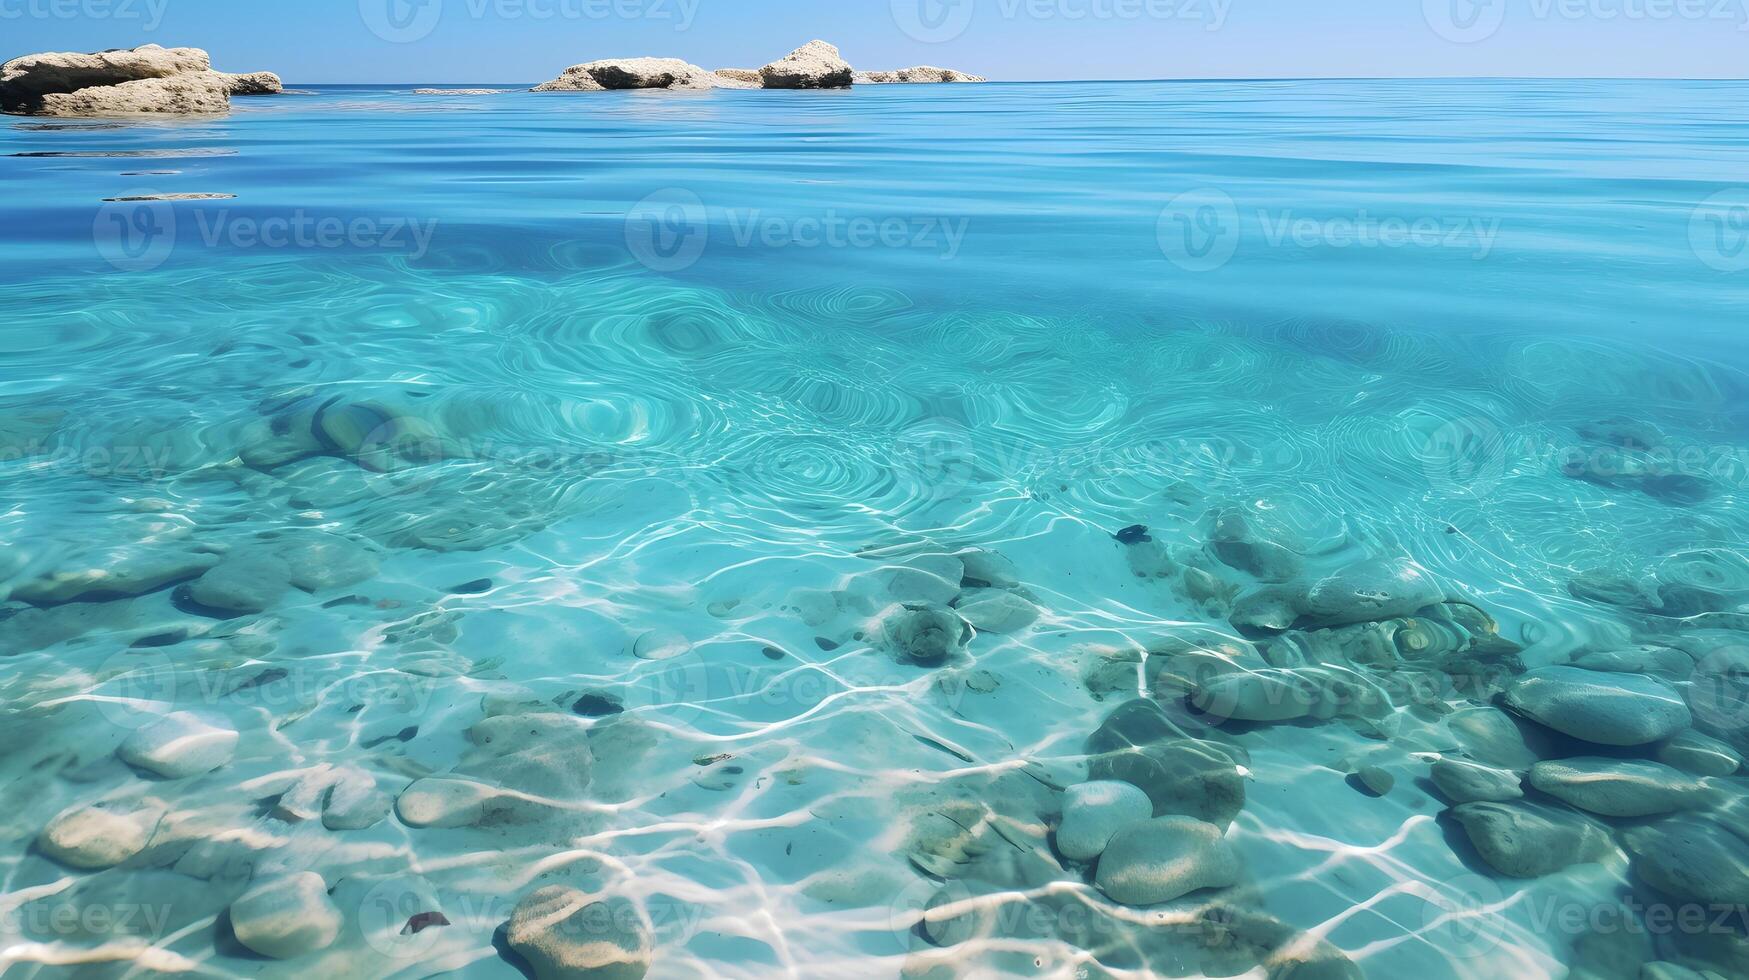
{"x":751,"y":508}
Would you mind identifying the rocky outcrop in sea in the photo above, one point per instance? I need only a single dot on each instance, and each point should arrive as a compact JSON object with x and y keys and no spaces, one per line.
{"x":815,"y":65}
{"x":147,"y":79}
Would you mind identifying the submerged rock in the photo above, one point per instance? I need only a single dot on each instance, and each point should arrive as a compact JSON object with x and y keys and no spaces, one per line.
{"x":178,"y":745}
{"x":1664,"y":662}
{"x":661,"y":644}
{"x":1620,"y":787}
{"x":813,"y":65}
{"x":630,"y":73}
{"x":444,"y":802}
{"x":1376,"y":780}
{"x":94,"y":837}
{"x":984,"y":569}
{"x":922,"y":74}
{"x":1601,"y":708}
{"x":1165,"y":859}
{"x":1237,"y":542}
{"x":286,"y":917}
{"x":924,"y":634}
{"x":1491,"y":736}
{"x":122,"y":573}
{"x":996,"y":610}
{"x":1093,"y":812}
{"x":564,"y":934}
{"x":1371,"y":591}
{"x":1182,"y":777}
{"x":1528,"y":840}
{"x":1692,"y":859}
{"x":1288,"y":694}
{"x":1700,"y":754}
{"x":355,"y":803}
{"x":1273,"y":608}
{"x":1468,"y":782}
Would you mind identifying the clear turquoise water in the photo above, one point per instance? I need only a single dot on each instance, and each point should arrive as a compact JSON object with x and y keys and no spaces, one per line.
{"x":704,"y":363}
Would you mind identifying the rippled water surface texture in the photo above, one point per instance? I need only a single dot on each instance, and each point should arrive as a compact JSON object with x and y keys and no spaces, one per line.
{"x":1277,"y":529}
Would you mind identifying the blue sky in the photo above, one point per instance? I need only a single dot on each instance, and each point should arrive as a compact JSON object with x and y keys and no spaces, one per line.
{"x":315,"y":41}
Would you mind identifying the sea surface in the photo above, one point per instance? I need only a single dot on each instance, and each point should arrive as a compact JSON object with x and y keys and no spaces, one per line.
{"x":815,"y":473}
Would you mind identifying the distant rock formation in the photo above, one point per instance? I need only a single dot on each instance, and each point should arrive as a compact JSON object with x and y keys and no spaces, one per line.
{"x":626,"y":73}
{"x":813,"y":65}
{"x":921,"y":75}
{"x":147,"y":79}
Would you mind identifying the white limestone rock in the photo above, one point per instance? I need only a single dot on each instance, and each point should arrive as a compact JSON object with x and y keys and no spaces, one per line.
{"x":920,"y":75}
{"x":24,"y":82}
{"x":738,"y":78}
{"x":253,"y":83}
{"x":1093,"y":812}
{"x":286,"y":917}
{"x":630,"y":73}
{"x":179,"y":745}
{"x":813,"y":65}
